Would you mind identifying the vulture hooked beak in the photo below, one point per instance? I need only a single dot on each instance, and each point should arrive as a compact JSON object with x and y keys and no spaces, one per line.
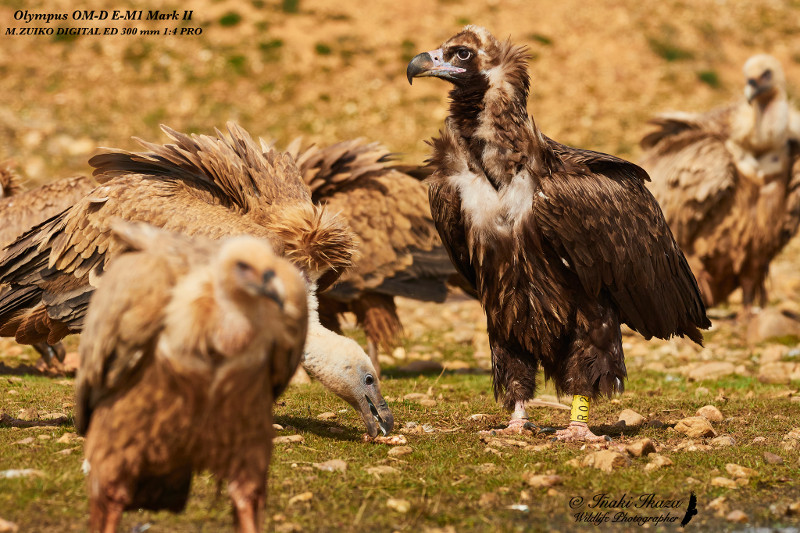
{"x":753,"y":90}
{"x":376,"y":417}
{"x":431,"y":64}
{"x":271,"y":287}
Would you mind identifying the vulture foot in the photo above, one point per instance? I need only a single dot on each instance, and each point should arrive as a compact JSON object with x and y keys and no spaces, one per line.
{"x":579,"y":432}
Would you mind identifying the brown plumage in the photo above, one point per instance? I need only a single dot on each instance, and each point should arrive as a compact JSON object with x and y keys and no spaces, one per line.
{"x":205,"y":186}
{"x":399,"y":254}
{"x":187,"y":343}
{"x":562,"y":244}
{"x":729,"y":183}
{"x":26,"y":209}
{"x":21,"y":210}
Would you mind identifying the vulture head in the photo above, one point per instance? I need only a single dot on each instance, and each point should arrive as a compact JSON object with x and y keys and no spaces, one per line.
{"x":764,"y":77}
{"x":248,"y":267}
{"x":350,"y":375}
{"x":474,"y":58}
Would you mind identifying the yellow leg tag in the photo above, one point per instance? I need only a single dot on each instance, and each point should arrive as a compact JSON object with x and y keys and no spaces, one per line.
{"x":580,"y":409}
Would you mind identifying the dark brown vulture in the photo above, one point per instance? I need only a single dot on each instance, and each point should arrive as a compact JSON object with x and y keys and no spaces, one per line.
{"x":205,"y":186}
{"x":399,"y":252}
{"x":563,"y":245}
{"x":20,"y":211}
{"x":186,"y":344}
{"x":729,"y":184}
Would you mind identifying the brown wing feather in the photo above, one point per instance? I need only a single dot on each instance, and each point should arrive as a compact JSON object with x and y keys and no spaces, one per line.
{"x":602,"y":220}
{"x":27,"y":209}
{"x":693,"y":177}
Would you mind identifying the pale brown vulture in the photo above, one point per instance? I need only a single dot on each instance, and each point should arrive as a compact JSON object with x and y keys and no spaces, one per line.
{"x":399,"y":251}
{"x":186,"y":345}
{"x":205,"y":186}
{"x":21,"y":210}
{"x":562,"y":244}
{"x":729,"y":183}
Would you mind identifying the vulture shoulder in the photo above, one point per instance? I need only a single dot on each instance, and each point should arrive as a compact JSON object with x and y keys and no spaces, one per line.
{"x":388,"y":210}
{"x":694,"y":172}
{"x":128,"y":313}
{"x":601,"y":220}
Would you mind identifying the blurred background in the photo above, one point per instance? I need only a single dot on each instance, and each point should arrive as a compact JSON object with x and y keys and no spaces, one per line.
{"x":336,"y":70}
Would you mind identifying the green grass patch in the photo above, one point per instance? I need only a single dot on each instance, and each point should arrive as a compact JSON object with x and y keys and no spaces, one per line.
{"x":668,"y":50}
{"x":710,"y":78}
{"x":230,"y":18}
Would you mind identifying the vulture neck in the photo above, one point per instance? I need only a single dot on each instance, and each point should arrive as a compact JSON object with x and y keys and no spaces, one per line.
{"x":491,"y":115}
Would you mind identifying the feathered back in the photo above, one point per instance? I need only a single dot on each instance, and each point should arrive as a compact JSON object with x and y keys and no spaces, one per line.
{"x":9,"y":182}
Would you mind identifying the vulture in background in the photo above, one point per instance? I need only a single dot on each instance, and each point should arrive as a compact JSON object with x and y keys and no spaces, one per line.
{"x":21,"y":210}
{"x":562,"y":244}
{"x":399,"y":252}
{"x":729,"y":183}
{"x":204,"y":186}
{"x":186,"y":344}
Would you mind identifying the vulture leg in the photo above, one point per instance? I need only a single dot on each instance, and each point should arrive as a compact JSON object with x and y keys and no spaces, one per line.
{"x":594,"y":365}
{"x":517,"y":373}
{"x":578,"y":429}
{"x":105,"y":511}
{"x":248,"y":504}
{"x":48,"y":351}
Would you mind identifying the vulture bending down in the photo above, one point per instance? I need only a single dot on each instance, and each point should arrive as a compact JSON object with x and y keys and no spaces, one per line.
{"x":729,"y":183}
{"x":186,"y":344}
{"x":563,"y":245}
{"x":399,"y":253}
{"x":20,"y":211}
{"x":211,"y":187}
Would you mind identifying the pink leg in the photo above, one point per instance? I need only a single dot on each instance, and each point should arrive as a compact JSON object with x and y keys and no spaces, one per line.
{"x":515,"y":426}
{"x":578,"y":432}
{"x":248,"y":504}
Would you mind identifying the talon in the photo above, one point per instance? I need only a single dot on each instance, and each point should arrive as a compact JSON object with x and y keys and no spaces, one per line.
{"x":547,"y":430}
{"x":530,"y":425}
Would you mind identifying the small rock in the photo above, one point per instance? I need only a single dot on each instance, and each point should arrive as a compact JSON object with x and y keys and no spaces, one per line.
{"x":640,"y":448}
{"x":724,"y":440}
{"x":8,"y":527}
{"x":428,"y":402}
{"x":656,"y":462}
{"x":773,"y":459}
{"x":489,"y":499}
{"x":718,"y":504}
{"x":277,"y":427}
{"x":738,"y":471}
{"x":759,"y":440}
{"x":26,"y":440}
{"x":737,"y":516}
{"x":68,"y":438}
{"x":701,"y":391}
{"x":724,"y":482}
{"x":540,"y":480}
{"x":711,"y":370}
{"x":68,"y":451}
{"x":478,"y":417}
{"x":394,"y":440}
{"x":695,"y":427}
{"x":334,"y":465}
{"x":302,"y":497}
{"x":382,"y":470}
{"x":486,"y":468}
{"x":399,"y":451}
{"x":710,"y":413}
{"x":399,"y":353}
{"x":771,"y":323}
{"x":415,"y":396}
{"x":44,"y":437}
{"x":631,"y":417}
{"x":398,"y":505}
{"x":326,"y":416}
{"x":793,"y":434}
{"x":606,"y":460}
{"x":288,"y":439}
{"x":776,"y":372}
{"x":692,"y":481}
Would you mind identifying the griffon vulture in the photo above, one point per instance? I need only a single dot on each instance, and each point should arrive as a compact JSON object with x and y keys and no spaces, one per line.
{"x":205,"y":186}
{"x":562,"y":244}
{"x":186,"y":344}
{"x":21,"y":210}
{"x":399,"y":252}
{"x":729,"y":183}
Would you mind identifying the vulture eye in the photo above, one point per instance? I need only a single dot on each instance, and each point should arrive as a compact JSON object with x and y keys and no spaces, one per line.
{"x":463,"y":54}
{"x":767,"y":75}
{"x":369,"y":380}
